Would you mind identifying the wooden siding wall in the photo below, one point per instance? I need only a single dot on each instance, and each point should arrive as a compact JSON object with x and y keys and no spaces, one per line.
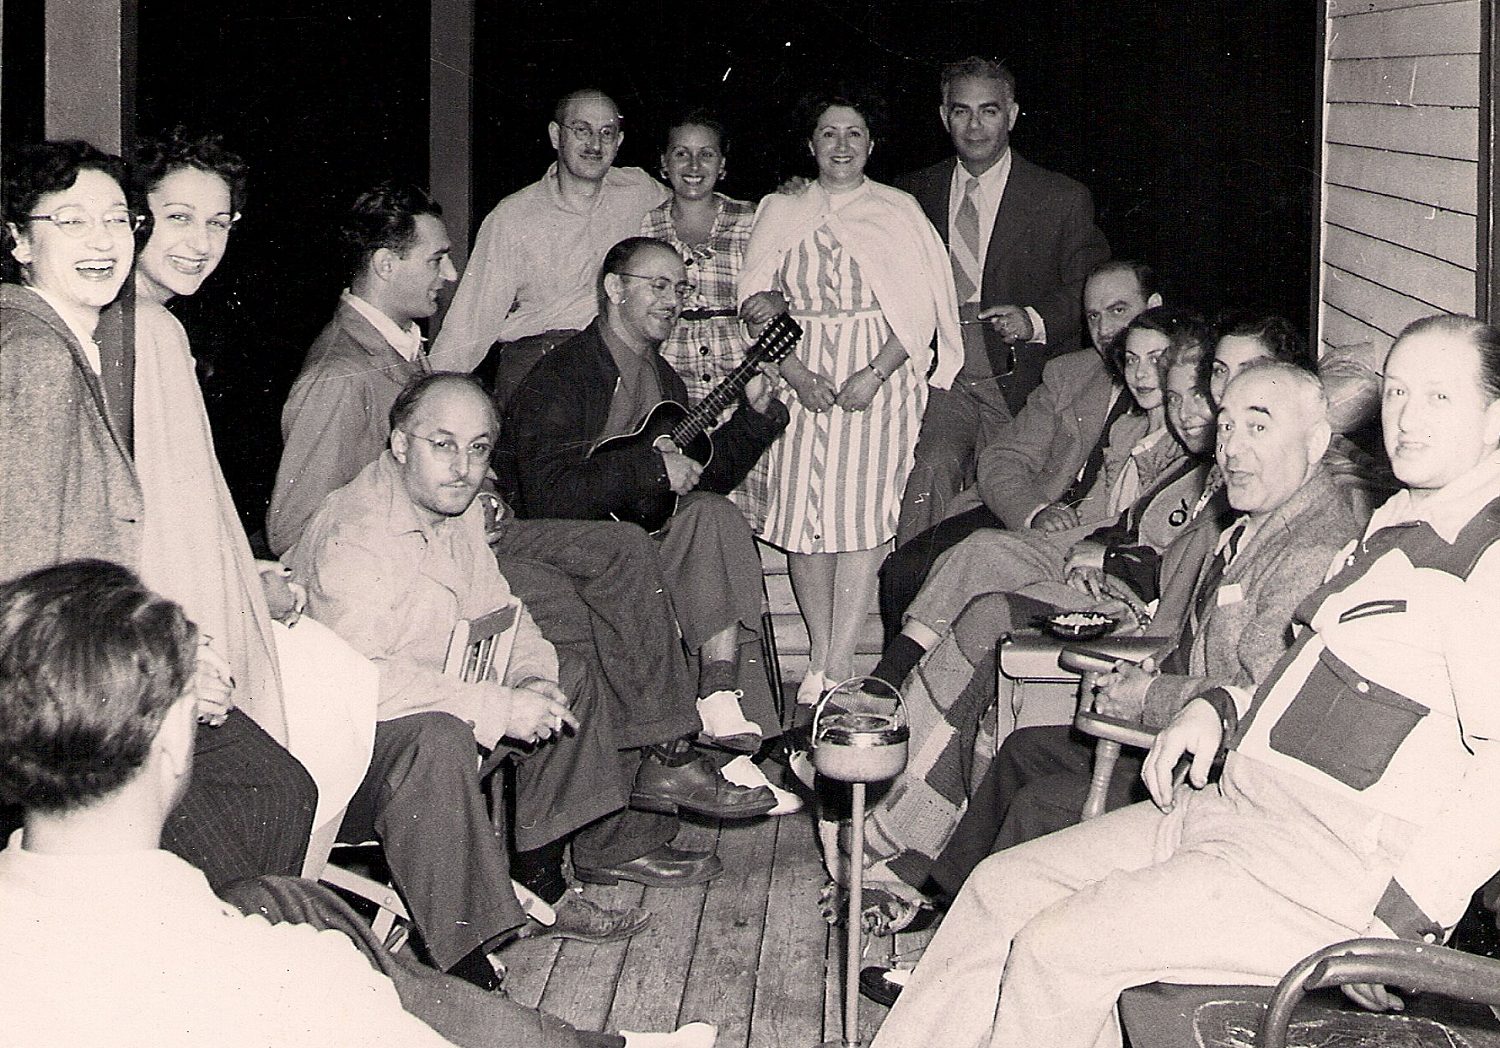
{"x":1400,"y":175}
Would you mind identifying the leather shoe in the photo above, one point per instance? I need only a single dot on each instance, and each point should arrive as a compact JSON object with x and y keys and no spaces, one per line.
{"x":698,"y":787}
{"x":883,"y":985}
{"x":664,"y":867}
{"x":587,"y":921}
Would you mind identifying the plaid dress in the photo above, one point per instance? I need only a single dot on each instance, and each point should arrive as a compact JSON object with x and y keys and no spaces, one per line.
{"x":704,"y":351}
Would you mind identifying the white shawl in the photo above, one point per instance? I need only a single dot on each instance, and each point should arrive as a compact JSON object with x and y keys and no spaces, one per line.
{"x":898,"y":251}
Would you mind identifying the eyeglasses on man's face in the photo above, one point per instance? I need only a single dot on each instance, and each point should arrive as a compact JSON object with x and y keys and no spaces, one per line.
{"x":584,"y":133}
{"x":662,"y":286}
{"x":76,"y":222}
{"x":448,"y":451}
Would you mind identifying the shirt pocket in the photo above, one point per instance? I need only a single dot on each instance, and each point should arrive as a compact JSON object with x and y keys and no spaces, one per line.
{"x":1345,"y":726}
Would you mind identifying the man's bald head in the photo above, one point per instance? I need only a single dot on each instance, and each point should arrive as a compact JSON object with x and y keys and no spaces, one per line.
{"x":443,"y":430}
{"x":1273,"y":432}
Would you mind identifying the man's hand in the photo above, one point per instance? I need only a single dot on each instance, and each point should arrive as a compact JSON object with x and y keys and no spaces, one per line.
{"x":1373,"y":997}
{"x":813,"y":389}
{"x":1012,"y":322}
{"x":212,"y":685}
{"x":285,"y":599}
{"x":1196,"y":730}
{"x":532,"y":716}
{"x":682,"y":472}
{"x":1122,"y":691}
{"x":762,"y":307}
{"x":1085,"y":554}
{"x":1055,"y":517}
{"x":794,"y":185}
{"x":859,"y":390}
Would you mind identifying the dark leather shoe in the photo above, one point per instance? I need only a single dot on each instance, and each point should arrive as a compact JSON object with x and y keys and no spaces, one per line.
{"x":698,"y":787}
{"x":883,"y":985}
{"x":665,"y":867}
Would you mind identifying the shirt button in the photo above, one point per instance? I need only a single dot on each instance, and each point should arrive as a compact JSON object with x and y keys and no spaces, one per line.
{"x":707,"y":377}
{"x":1429,"y":937}
{"x":1362,"y":686}
{"x":703,"y":350}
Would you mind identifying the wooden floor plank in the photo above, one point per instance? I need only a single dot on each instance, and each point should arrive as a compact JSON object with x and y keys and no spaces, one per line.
{"x":721,"y":982}
{"x":790,"y":981}
{"x":582,"y":986}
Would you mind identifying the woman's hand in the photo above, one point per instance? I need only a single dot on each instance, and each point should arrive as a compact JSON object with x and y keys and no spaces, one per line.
{"x":813,"y":389}
{"x":1055,"y":517}
{"x":212,"y":685}
{"x":1122,"y":691}
{"x":859,"y":391}
{"x":762,"y":307}
{"x":285,"y":599}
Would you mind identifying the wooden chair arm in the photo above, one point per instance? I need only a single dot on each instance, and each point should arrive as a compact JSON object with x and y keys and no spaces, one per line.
{"x":1410,"y":965}
{"x":1115,"y":729}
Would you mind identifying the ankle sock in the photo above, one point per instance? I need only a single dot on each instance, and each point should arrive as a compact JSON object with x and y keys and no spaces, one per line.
{"x":540,"y":869}
{"x":898,"y":660}
{"x":716,"y":676}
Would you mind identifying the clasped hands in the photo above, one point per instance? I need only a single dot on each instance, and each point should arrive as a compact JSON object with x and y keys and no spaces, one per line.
{"x":536,"y":709}
{"x":817,"y":394}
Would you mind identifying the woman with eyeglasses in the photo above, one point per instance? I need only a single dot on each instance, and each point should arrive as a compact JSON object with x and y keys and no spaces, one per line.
{"x":869,"y":281}
{"x":71,"y":485}
{"x":710,"y":231}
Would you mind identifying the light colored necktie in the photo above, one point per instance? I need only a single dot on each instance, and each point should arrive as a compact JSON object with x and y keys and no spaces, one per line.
{"x":963,"y":247}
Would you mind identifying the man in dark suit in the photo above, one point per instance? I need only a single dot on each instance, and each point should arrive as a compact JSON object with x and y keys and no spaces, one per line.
{"x":1022,"y":239}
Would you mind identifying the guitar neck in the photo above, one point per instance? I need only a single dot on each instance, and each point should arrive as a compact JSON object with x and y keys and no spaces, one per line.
{"x":706,"y":412}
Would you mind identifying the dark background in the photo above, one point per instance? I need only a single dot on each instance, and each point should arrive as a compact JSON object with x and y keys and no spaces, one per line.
{"x":1192,"y":123}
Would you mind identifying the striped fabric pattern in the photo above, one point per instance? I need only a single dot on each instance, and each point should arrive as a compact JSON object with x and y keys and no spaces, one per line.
{"x":837,"y":477}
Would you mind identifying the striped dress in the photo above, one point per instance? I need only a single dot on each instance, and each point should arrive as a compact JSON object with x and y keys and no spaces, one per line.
{"x":837,"y":476}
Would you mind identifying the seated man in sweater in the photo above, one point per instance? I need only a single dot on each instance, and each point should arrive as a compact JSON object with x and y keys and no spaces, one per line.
{"x":601,"y":384}
{"x":97,"y":706}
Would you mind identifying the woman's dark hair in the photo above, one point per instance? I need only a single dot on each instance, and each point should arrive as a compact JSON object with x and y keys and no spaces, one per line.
{"x":697,"y":117}
{"x":157,"y":158}
{"x":856,"y":96}
{"x":383,"y":217}
{"x":1485,"y":338}
{"x":1182,"y":329}
{"x":32,"y":172}
{"x":90,"y":663}
{"x":1280,"y":337}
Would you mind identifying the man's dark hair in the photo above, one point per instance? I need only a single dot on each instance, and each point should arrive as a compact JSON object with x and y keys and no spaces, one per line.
{"x":856,"y":96}
{"x":410,"y":398}
{"x":156,"y":158}
{"x":980,"y":69}
{"x":90,"y":662}
{"x":1145,"y":277}
{"x":383,"y":217}
{"x":1485,"y":338}
{"x":30,"y":173}
{"x":621,"y":259}
{"x":1280,"y":337}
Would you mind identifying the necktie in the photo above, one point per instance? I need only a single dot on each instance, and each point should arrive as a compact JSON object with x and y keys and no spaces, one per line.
{"x":963,"y":246}
{"x":1177,"y":661}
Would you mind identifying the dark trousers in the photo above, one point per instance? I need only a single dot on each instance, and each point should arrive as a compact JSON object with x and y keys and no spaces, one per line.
{"x":460,"y":1012}
{"x":957,"y":425}
{"x":905,"y":570}
{"x":248,"y":808}
{"x":1036,"y":785}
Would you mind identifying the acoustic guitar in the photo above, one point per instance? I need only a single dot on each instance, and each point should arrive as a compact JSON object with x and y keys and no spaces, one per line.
{"x":671,"y":427}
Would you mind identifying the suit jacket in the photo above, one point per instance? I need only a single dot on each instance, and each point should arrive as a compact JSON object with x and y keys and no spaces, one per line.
{"x":1248,"y":626}
{"x":335,"y":422}
{"x":561,"y":409}
{"x":68,"y":486}
{"x":1042,"y":247}
{"x":1037,"y":456}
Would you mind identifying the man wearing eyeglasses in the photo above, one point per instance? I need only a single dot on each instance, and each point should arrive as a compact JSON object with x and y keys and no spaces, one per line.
{"x":529,"y":284}
{"x":601,"y":384}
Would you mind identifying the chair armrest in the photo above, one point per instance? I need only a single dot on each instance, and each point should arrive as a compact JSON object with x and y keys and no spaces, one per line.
{"x":1032,"y":656}
{"x":1115,"y":729}
{"x":1410,"y":965}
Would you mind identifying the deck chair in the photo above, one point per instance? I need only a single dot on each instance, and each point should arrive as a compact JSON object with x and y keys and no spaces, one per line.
{"x":478,"y":650}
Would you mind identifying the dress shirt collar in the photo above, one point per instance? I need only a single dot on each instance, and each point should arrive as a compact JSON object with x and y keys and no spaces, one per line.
{"x":408,"y":343}
{"x":1448,"y":509}
{"x":612,"y":178}
{"x":991,"y":183}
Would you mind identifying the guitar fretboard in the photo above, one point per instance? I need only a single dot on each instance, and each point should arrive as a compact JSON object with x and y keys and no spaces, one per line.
{"x":780,"y":335}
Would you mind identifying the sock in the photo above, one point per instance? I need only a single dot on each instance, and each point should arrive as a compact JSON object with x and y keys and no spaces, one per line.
{"x":898,"y":660}
{"x":475,"y":968}
{"x":540,"y":869}
{"x":674,"y":754}
{"x":716,"y":676}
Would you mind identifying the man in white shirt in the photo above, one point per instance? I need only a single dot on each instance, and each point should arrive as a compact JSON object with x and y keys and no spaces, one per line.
{"x":530,"y":279}
{"x":1021,"y":239}
{"x":97,"y":708}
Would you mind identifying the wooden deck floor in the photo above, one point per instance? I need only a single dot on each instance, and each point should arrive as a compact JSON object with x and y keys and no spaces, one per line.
{"x":748,"y":952}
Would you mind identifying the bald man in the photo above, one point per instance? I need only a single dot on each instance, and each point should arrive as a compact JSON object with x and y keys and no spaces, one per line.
{"x":1044,"y":936}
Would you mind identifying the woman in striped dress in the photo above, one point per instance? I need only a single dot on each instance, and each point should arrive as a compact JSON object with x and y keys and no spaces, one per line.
{"x":866,"y":276}
{"x":710,"y":231}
